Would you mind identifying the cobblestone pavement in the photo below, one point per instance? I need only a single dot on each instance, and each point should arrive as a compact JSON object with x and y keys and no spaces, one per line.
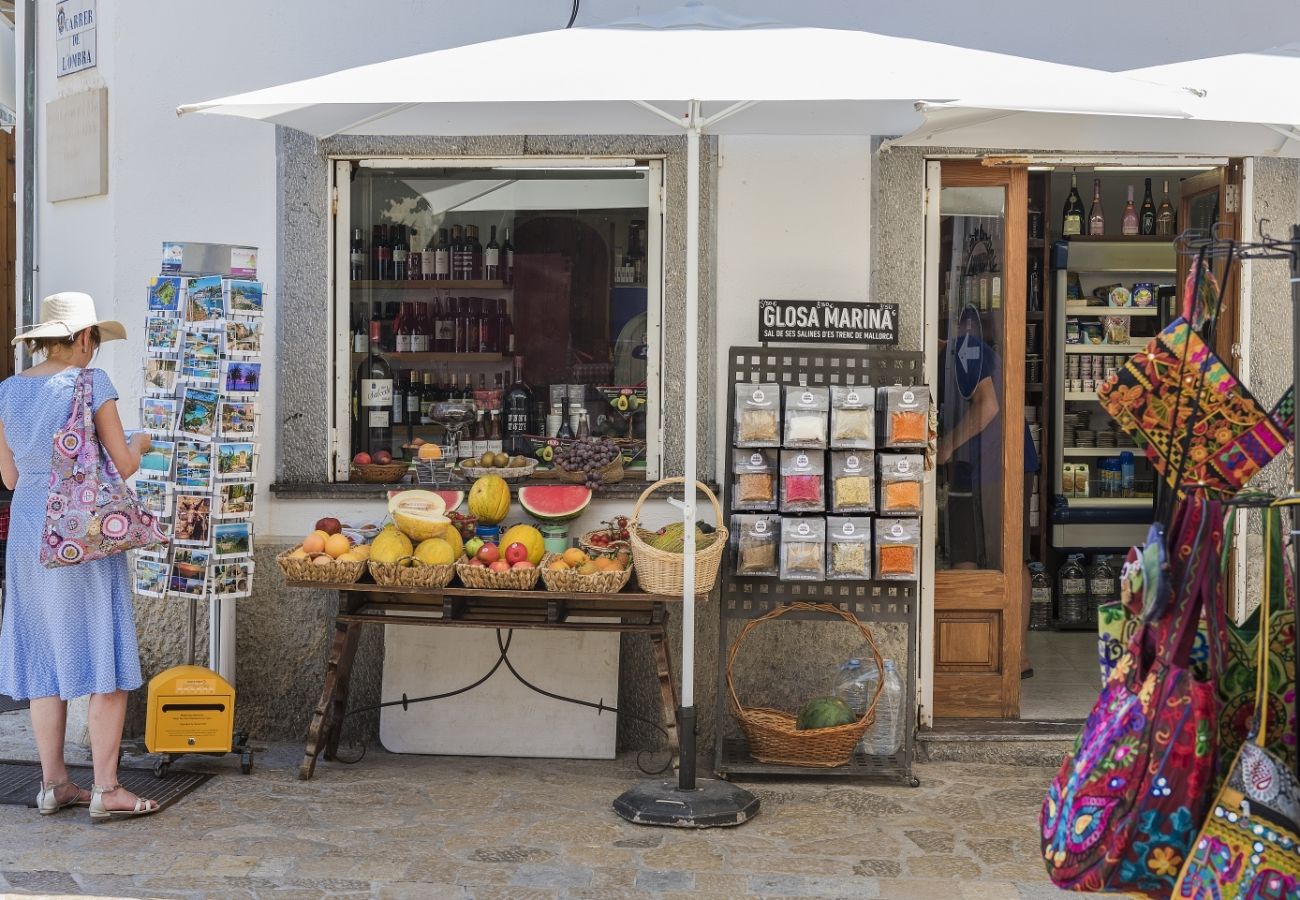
{"x":479,"y":829}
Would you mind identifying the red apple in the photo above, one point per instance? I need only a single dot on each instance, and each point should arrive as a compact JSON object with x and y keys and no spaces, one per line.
{"x":499,"y":566}
{"x":383,"y":457}
{"x":489,"y":553}
{"x":361,"y":459}
{"x":329,"y":525}
{"x":522,"y":564}
{"x":516,"y":553}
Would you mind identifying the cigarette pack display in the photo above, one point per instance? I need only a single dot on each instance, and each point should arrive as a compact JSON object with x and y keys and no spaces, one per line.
{"x":758,"y":415}
{"x":849,"y":542}
{"x":754,"y":474}
{"x":803,"y":549}
{"x":901,"y":476}
{"x":757,"y":540}
{"x":853,"y":481}
{"x":898,"y":549}
{"x":805,"y":417}
{"x":803,"y":482}
{"x":907,"y":416}
{"x":853,"y":418}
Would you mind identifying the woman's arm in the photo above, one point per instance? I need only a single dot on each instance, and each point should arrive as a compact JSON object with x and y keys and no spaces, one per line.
{"x":126,"y":456}
{"x":8,"y":468}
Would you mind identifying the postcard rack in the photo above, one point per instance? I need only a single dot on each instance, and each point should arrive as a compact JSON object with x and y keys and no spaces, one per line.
{"x":891,"y":603}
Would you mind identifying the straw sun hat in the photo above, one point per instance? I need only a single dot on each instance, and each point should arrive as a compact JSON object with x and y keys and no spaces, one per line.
{"x":66,"y":313}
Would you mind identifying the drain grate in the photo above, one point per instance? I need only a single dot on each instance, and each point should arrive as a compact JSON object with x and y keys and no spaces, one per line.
{"x":9,"y":704}
{"x":20,"y":781}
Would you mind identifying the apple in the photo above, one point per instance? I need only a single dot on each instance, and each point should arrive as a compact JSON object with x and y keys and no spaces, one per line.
{"x":478,"y":563}
{"x":522,"y":564}
{"x":488,"y":553}
{"x":499,"y":565}
{"x":472,"y":547}
{"x":383,"y":457}
{"x":329,"y":525}
{"x":361,"y":459}
{"x":516,"y":553}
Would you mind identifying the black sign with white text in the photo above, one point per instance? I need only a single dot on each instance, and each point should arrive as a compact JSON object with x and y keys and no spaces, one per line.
{"x":827,"y":322}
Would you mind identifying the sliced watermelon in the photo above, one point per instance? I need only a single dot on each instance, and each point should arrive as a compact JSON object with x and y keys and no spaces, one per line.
{"x":554,"y":502}
{"x":453,"y":499}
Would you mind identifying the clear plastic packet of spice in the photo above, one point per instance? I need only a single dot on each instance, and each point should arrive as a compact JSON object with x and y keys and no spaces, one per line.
{"x":907,"y":416}
{"x":848,"y":547}
{"x":803,"y":481}
{"x":853,"y":418}
{"x":758,"y":415}
{"x":805,"y":416}
{"x":803,"y":549}
{"x":756,"y":541}
{"x":898,"y":549}
{"x":754,"y":473}
{"x":853,"y":481}
{"x":901,"y":478}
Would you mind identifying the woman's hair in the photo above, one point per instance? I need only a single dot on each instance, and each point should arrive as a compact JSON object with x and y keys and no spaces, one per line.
{"x":46,"y":344}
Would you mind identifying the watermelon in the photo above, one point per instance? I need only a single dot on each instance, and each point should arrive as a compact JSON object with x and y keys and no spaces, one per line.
{"x":824,"y":712}
{"x":453,"y":499}
{"x":554,"y":502}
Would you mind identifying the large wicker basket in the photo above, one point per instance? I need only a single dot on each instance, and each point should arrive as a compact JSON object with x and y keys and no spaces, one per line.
{"x":771,"y":733}
{"x":417,"y":575}
{"x":376,"y":473}
{"x":570,"y":580}
{"x":484,"y":578}
{"x":305,"y":569}
{"x":659,"y":571}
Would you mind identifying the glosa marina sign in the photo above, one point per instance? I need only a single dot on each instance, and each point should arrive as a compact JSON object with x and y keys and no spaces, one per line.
{"x":827,"y":322}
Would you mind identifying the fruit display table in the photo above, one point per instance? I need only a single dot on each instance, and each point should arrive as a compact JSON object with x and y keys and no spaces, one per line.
{"x":628,"y":612}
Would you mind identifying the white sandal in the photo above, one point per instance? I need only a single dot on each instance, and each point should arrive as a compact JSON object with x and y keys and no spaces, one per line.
{"x":47,"y":799}
{"x":100,"y":813}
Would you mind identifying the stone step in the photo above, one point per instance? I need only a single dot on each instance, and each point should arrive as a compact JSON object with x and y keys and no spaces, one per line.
{"x":1003,"y":741}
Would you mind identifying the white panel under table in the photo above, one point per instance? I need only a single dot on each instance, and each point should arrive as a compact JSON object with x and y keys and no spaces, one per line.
{"x":500,"y":717}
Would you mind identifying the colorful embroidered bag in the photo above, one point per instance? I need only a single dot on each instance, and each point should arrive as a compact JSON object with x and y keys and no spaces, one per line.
{"x":1121,"y":813}
{"x":91,"y":513}
{"x":1249,"y":846}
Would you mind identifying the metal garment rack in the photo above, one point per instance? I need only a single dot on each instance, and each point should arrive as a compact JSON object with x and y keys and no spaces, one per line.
{"x":746,"y":598}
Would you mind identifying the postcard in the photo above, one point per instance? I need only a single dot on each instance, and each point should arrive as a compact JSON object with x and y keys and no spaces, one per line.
{"x":244,"y":297}
{"x":235,"y":460}
{"x":204,"y":300}
{"x":193,"y":465}
{"x":233,"y":579}
{"x":158,"y":414}
{"x":157,"y":463}
{"x":243,"y":377}
{"x":193,"y":519}
{"x":243,"y":336}
{"x":198,"y":417}
{"x":165,"y":293}
{"x":150,"y":577}
{"x":155,"y":495}
{"x":162,"y":335}
{"x":180,"y":586}
{"x":201,"y":356}
{"x":232,"y":540}
{"x":234,"y":500}
{"x":159,"y":375}
{"x":237,"y":418}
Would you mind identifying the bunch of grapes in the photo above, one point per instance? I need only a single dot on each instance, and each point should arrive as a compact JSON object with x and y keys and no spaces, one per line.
{"x":590,"y":456}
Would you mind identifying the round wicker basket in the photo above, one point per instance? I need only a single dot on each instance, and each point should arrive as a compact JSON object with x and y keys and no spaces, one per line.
{"x":388,"y":473}
{"x":484,"y":578}
{"x":509,"y":473}
{"x":416,"y":575}
{"x":611,"y":474}
{"x":771,"y":733}
{"x":306,"y":569}
{"x":659,"y":571}
{"x":570,"y":580}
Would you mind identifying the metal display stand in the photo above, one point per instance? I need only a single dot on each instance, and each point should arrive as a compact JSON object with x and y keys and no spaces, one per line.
{"x":746,"y":598}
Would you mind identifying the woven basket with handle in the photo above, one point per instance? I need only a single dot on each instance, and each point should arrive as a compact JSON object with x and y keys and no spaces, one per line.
{"x":771,"y":733}
{"x":660,"y":571}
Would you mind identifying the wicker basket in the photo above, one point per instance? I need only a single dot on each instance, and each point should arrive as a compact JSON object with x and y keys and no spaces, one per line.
{"x":611,"y":474}
{"x":609,"y":549}
{"x":509,"y":473}
{"x":570,"y":580}
{"x":307,"y":570}
{"x":660,"y":572}
{"x":417,"y":575}
{"x":771,"y":733}
{"x":484,"y":578}
{"x":388,"y":473}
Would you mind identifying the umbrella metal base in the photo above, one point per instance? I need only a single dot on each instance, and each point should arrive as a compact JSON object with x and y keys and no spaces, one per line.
{"x":710,"y":804}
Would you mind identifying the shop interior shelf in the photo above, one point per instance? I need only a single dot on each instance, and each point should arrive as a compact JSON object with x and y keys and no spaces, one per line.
{"x":429,"y":285}
{"x":1110,"y":502}
{"x":1120,"y":270}
{"x":415,"y":358}
{"x":1104,"y":348}
{"x":1082,"y":309}
{"x":734,"y":759}
{"x":1099,"y":451}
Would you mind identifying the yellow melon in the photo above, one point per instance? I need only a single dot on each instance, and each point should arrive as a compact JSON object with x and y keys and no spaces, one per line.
{"x":419,"y":514}
{"x":530,"y":537}
{"x":489,"y":500}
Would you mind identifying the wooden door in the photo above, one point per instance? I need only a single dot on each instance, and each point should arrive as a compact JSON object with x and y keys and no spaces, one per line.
{"x":979,"y":558}
{"x":1212,"y":201}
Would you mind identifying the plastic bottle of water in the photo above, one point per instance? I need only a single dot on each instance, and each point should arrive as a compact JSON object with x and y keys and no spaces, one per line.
{"x":855,"y":683}
{"x":885,"y":735}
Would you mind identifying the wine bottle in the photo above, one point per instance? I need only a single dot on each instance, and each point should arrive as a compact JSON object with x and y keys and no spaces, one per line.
{"x":414,"y":259}
{"x":1165,"y":215}
{"x":459,"y":342}
{"x":420,"y":329}
{"x":360,"y":339}
{"x":399,"y":401}
{"x":1096,"y":217}
{"x":457,"y":251}
{"x":358,"y":256}
{"x":478,"y":436}
{"x":507,"y":260}
{"x":492,"y":258}
{"x":375,"y":377}
{"x":442,"y":257}
{"x":495,"y":442}
{"x":385,"y":254}
{"x":446,"y":335}
{"x":1034,"y":220}
{"x":506,"y":336}
{"x":1072,"y":215}
{"x":1128,"y":223}
{"x":402,"y":328}
{"x":376,"y":253}
{"x":1148,"y":214}
{"x":415,"y":398}
{"x":399,"y":252}
{"x":428,"y":396}
{"x":475,"y":254}
{"x":517,"y":404}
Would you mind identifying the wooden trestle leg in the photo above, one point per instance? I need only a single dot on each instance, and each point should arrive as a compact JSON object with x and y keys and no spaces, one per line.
{"x":667,"y":690}
{"x":327,"y":721}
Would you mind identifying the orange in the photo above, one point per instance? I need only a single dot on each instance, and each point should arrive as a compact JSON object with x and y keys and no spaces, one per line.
{"x":574,"y":557}
{"x":558,"y":565}
{"x":430,"y":451}
{"x":313,"y":543}
{"x":605,"y":564}
{"x":337,"y":545}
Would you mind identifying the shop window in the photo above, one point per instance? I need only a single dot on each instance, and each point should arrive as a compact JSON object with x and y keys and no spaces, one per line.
{"x":530,"y":292}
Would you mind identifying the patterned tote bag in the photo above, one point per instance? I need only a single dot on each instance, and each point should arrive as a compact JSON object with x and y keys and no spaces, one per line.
{"x":1249,"y":846}
{"x":1122,"y":812}
{"x":91,"y":513}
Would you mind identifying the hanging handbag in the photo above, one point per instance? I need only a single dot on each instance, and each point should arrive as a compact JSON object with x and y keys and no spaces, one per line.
{"x":91,"y":513}
{"x":1121,"y":813}
{"x":1249,"y":846}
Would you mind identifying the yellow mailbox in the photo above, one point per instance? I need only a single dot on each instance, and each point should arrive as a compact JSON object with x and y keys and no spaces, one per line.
{"x":191,"y":710}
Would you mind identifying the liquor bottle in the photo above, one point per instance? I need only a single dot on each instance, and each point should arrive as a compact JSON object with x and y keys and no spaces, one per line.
{"x":1034,"y":220}
{"x":1128,"y":223}
{"x":358,"y":256}
{"x":507,"y":259}
{"x":414,"y":258}
{"x":376,"y":253}
{"x":1165,"y":215}
{"x":487,"y":327}
{"x":420,"y":332}
{"x":403,"y":330}
{"x":506,"y":338}
{"x":399,"y":252}
{"x":446,"y":337}
{"x":565,"y":432}
{"x":584,"y":427}
{"x":375,"y":378}
{"x":517,"y":405}
{"x":415,"y":398}
{"x":1096,"y":217}
{"x":1148,"y":214}
{"x":458,"y":324}
{"x":455,"y":251}
{"x":492,"y":258}
{"x":1072,"y":215}
{"x":442,"y":257}
{"x":478,"y":435}
{"x":495,"y":442}
{"x":428,"y":396}
{"x":360,"y":339}
{"x":399,"y":401}
{"x":475,"y":254}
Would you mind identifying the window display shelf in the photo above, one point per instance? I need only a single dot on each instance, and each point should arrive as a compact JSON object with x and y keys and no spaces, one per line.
{"x":416,"y":358}
{"x":1082,"y":309}
{"x":1126,"y":270}
{"x":1109,"y":502}
{"x":429,"y":285}
{"x":1104,"y":348}
{"x":1099,"y":451}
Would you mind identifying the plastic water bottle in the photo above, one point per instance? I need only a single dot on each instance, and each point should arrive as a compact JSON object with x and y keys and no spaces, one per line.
{"x":855,"y":683}
{"x":885,"y":735}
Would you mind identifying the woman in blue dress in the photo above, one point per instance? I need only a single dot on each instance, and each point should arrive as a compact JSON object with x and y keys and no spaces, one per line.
{"x":70,"y":631}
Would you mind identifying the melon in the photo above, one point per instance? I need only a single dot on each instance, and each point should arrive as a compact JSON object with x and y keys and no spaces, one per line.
{"x":452,"y":499}
{"x":554,"y":502}
{"x":419,"y":514}
{"x":530,"y":537}
{"x":489,"y":499}
{"x":824,"y":712}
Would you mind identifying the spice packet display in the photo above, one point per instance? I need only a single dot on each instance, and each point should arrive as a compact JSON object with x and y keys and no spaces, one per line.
{"x":848,"y":542}
{"x":907,"y":416}
{"x":754,"y":479}
{"x":853,"y":481}
{"x":901,"y":476}
{"x":898,"y":549}
{"x":758,"y":415}
{"x":853,"y":418}
{"x":803,"y":482}
{"x":803,"y":549}
{"x":757,"y":540}
{"x":805,"y":416}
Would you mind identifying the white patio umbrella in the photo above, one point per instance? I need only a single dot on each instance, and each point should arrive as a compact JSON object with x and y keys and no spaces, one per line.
{"x":694,"y":70}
